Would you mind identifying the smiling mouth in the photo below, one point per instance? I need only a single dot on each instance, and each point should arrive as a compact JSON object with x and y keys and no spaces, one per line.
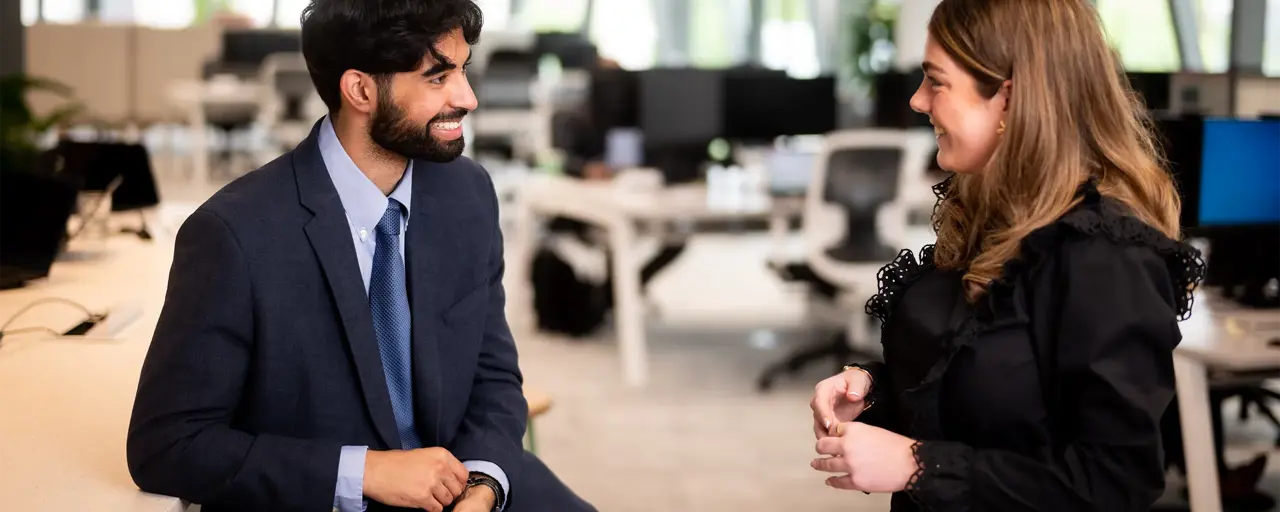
{"x":446,"y":125}
{"x":938,"y":131}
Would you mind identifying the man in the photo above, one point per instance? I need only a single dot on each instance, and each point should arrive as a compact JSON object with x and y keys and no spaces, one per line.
{"x":333,"y":335}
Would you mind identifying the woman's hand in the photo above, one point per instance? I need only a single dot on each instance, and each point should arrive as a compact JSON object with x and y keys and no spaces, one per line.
{"x":839,"y":399}
{"x":869,"y":459}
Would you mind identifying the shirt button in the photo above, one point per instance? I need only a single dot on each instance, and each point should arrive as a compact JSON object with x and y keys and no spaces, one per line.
{"x":364,"y":234}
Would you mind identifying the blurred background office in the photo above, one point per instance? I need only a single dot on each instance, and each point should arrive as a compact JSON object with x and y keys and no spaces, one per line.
{"x":697,"y":196}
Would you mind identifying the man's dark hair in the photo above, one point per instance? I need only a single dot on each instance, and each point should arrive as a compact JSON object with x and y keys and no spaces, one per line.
{"x":378,"y":37}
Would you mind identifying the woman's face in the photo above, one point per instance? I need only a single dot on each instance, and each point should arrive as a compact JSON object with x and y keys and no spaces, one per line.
{"x":966,"y":123}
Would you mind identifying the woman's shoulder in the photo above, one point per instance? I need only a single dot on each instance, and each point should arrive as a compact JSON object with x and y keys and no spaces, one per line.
{"x":1103,"y":231}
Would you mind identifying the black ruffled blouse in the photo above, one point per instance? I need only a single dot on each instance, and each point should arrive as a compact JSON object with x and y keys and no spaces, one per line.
{"x":1047,"y":393}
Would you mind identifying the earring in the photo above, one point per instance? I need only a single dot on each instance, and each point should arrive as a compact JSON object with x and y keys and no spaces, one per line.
{"x":1000,"y":130}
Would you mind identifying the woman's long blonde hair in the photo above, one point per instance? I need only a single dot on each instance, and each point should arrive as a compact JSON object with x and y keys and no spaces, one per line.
{"x":1071,"y":116}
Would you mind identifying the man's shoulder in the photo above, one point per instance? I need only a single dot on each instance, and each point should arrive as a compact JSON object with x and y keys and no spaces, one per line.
{"x":266,"y":192}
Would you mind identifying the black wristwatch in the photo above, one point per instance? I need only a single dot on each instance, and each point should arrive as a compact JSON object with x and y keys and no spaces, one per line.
{"x":479,"y":479}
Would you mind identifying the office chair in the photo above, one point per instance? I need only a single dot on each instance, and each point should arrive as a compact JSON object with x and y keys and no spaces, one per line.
{"x":292,"y":106}
{"x":505,"y":87}
{"x":865,"y":185}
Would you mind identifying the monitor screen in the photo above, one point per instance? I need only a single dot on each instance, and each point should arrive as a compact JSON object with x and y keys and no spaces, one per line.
{"x":34,"y":209}
{"x":1240,"y":173}
{"x":680,"y":107}
{"x":764,"y":105}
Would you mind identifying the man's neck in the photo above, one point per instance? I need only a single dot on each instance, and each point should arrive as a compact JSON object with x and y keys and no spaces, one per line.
{"x":382,"y":167}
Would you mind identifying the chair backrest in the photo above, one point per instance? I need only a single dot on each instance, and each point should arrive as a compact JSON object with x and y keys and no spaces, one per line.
{"x":864,"y":185}
{"x":507,"y":80}
{"x":286,"y":76}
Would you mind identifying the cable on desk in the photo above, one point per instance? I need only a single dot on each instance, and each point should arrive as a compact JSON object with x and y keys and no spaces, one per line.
{"x":24,"y":330}
{"x":47,"y":300}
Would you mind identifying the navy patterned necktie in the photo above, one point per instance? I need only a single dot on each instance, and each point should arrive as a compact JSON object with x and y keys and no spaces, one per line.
{"x":389,"y":300}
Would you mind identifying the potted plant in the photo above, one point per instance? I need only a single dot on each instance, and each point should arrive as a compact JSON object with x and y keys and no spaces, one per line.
{"x":20,"y":127}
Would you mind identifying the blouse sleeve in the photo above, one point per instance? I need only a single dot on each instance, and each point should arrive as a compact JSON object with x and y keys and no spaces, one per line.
{"x":879,"y":414}
{"x":1112,"y":348}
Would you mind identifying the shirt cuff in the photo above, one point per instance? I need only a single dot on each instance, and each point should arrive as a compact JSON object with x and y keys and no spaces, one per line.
{"x":348,"y":496}
{"x":491,"y":469}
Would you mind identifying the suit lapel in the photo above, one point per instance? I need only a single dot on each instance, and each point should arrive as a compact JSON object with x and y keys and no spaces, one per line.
{"x":330,"y":237}
{"x":424,"y":252}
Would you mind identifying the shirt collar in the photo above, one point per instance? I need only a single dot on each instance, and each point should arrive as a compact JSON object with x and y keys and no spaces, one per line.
{"x":362,"y":200}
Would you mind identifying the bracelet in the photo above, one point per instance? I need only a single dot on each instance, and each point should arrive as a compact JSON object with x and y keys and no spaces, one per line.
{"x":481,"y":479}
{"x":870,"y":398}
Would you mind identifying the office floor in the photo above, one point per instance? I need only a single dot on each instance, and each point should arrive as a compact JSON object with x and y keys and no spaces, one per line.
{"x":699,"y":438}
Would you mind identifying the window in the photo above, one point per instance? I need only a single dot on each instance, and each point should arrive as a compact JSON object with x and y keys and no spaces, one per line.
{"x":257,"y":11}
{"x":788,"y":40}
{"x":1213,"y":19}
{"x":289,"y":12}
{"x":553,"y":15}
{"x":625,"y":31}
{"x":164,"y":13}
{"x":497,"y":13}
{"x":709,"y":45}
{"x":1271,"y":38}
{"x":63,"y":11}
{"x":1142,"y":33}
{"x":30,"y":12}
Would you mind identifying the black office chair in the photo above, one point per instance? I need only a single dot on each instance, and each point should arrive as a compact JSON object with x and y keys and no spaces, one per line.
{"x":867,"y":181}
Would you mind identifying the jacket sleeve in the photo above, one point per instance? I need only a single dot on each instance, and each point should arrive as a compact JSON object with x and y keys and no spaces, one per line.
{"x":1116,"y":328}
{"x":493,"y":428}
{"x":181,"y":441}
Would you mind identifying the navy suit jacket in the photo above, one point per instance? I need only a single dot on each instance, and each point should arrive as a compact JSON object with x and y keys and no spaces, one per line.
{"x":265,"y":363}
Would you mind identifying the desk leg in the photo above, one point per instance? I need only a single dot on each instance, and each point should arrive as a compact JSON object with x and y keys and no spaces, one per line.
{"x":1197,"y":434}
{"x":628,"y":309}
{"x":199,"y":144}
{"x":519,"y":264}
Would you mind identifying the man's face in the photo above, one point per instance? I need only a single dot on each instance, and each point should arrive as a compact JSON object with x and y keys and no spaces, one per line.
{"x":419,"y":113}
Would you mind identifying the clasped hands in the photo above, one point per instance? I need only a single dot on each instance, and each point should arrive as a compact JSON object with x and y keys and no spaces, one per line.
{"x":863,"y":457}
{"x":428,"y":478}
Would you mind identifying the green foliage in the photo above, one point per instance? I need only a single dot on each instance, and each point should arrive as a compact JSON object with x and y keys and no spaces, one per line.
{"x":872,"y":41}
{"x":19,"y":126}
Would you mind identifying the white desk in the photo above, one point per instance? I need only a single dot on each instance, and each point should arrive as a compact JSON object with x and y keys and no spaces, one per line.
{"x":1218,"y":336}
{"x":618,"y":210}
{"x":65,"y":405}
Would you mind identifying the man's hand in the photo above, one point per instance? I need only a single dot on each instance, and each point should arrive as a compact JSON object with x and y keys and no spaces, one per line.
{"x":839,"y":399}
{"x":476,"y":499}
{"x":429,"y":478}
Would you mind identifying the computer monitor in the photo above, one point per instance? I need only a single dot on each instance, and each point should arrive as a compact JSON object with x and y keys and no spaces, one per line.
{"x":614,"y":99}
{"x":892,"y":102}
{"x":34,"y":209}
{"x":252,"y":46}
{"x":96,"y":165}
{"x":681,"y":107}
{"x":1228,"y":173}
{"x":1240,"y":173}
{"x":573,"y":50}
{"x":766,"y":105}
{"x":1182,"y":141}
{"x":1153,"y":88}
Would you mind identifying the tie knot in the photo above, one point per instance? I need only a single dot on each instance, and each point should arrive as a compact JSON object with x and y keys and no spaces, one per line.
{"x":390,"y":222}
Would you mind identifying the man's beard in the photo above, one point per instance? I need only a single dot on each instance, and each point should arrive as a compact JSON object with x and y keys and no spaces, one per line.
{"x":391,"y":130}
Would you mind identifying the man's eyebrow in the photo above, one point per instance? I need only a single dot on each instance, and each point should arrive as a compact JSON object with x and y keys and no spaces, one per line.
{"x":440,"y":66}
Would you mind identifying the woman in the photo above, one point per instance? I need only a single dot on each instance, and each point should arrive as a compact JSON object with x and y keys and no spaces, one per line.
{"x":1028,"y":354}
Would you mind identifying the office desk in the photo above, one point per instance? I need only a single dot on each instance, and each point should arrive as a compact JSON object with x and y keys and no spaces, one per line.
{"x":618,"y":210}
{"x":1223,"y":337}
{"x":64,"y":404}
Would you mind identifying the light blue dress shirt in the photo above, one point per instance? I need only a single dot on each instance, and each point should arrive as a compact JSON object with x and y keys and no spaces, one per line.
{"x":364,"y":204}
